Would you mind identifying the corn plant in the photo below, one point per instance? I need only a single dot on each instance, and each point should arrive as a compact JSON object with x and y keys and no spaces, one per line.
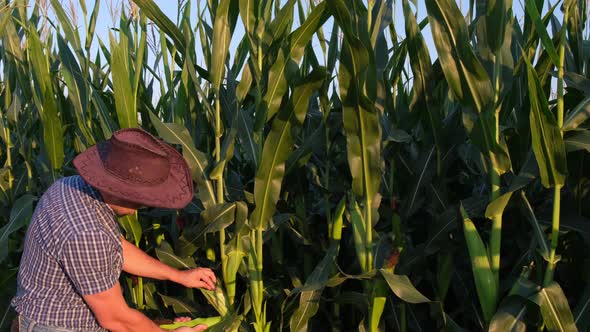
{"x":345,"y":174}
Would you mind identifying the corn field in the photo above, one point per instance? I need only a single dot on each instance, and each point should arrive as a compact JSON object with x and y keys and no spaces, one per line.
{"x":345,"y":178}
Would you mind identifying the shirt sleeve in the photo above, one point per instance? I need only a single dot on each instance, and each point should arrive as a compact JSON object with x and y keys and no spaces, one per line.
{"x":89,"y":259}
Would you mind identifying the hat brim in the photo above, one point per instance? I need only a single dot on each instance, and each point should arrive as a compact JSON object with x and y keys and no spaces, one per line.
{"x":175,"y":192}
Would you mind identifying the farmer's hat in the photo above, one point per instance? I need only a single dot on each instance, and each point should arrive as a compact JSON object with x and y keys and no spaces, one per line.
{"x":137,"y":167}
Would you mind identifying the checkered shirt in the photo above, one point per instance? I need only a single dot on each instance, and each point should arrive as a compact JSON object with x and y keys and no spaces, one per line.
{"x":72,"y":248}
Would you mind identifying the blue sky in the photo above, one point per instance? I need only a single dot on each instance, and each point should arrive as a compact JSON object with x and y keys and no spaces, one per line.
{"x":108,"y":20}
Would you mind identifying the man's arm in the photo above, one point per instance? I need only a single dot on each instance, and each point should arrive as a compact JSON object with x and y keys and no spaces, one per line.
{"x":138,"y":263}
{"x":113,"y":314}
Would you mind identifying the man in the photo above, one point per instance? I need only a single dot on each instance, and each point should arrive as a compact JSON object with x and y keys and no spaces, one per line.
{"x":73,"y":253}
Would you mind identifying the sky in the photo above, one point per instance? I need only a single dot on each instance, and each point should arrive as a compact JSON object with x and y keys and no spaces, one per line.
{"x":108,"y":19}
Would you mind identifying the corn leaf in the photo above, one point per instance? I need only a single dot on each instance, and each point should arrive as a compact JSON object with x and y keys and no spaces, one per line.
{"x":548,"y":144}
{"x":403,"y":288}
{"x":537,"y":230}
{"x":533,"y":12}
{"x":20,"y":215}
{"x":132,"y":228}
{"x":277,"y":147}
{"x":297,"y":40}
{"x":309,"y":301}
{"x":214,"y":219}
{"x":53,"y":141}
{"x":485,"y":283}
{"x":361,"y":121}
{"x":578,"y":141}
{"x":177,"y":134}
{"x":166,"y":255}
{"x":496,"y":21}
{"x":221,"y":39}
{"x":555,"y":309}
{"x":92,"y":25}
{"x":155,"y":14}
{"x":582,"y":311}
{"x":124,"y":100}
{"x":497,"y":206}
{"x":359,"y":233}
{"x":66,"y":24}
{"x":77,"y":92}
{"x":180,"y":307}
{"x":510,"y":317}
{"x":466,"y":76}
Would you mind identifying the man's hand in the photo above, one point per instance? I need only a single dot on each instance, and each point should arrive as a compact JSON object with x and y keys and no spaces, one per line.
{"x":198,"y":328}
{"x":199,"y":277}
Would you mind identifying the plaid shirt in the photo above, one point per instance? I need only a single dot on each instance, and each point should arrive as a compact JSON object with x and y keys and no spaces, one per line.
{"x":72,"y":248}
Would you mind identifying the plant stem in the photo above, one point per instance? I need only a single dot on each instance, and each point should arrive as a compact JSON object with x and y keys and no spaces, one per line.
{"x":219,"y":186}
{"x":260,"y":288}
{"x":496,"y":234}
{"x":557,"y":190}
{"x":8,"y":161}
{"x":554,"y":236}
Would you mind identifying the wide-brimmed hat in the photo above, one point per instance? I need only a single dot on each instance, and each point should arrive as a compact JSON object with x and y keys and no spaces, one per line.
{"x":139,"y":168}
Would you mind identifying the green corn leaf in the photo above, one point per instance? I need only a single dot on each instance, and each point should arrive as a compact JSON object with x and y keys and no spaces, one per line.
{"x":359,"y":232}
{"x":92,"y":25}
{"x":66,"y":24}
{"x":555,"y":309}
{"x":216,"y":299}
{"x":422,"y":68}
{"x":245,"y":84}
{"x":333,"y":50}
{"x":277,"y":147}
{"x":53,"y":141}
{"x":537,"y":230}
{"x":139,"y":59}
{"x":510,"y":316}
{"x":235,"y":251}
{"x":20,"y":215}
{"x":496,"y":21}
{"x":229,"y":322}
{"x":4,"y":17}
{"x":214,"y":219}
{"x":177,"y":134}
{"x":548,"y":144}
{"x":248,"y":13}
{"x":309,"y":301}
{"x":485,"y":283}
{"x":132,"y":228}
{"x":149,"y":289}
{"x":297,"y":40}
{"x":466,"y":76}
{"x":280,"y":25}
{"x":577,"y":81}
{"x":533,"y":13}
{"x":121,"y":71}
{"x":403,"y":288}
{"x":497,"y":206}
{"x":155,"y":14}
{"x":361,"y":121}
{"x":578,"y":115}
{"x":180,"y":307}
{"x":77,"y":92}
{"x":221,"y":40}
{"x":582,"y":311}
{"x":107,"y":123}
{"x":578,"y":141}
{"x":166,"y":255}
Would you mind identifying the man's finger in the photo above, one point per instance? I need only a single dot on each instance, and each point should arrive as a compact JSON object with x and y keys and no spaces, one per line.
{"x":200,"y":327}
